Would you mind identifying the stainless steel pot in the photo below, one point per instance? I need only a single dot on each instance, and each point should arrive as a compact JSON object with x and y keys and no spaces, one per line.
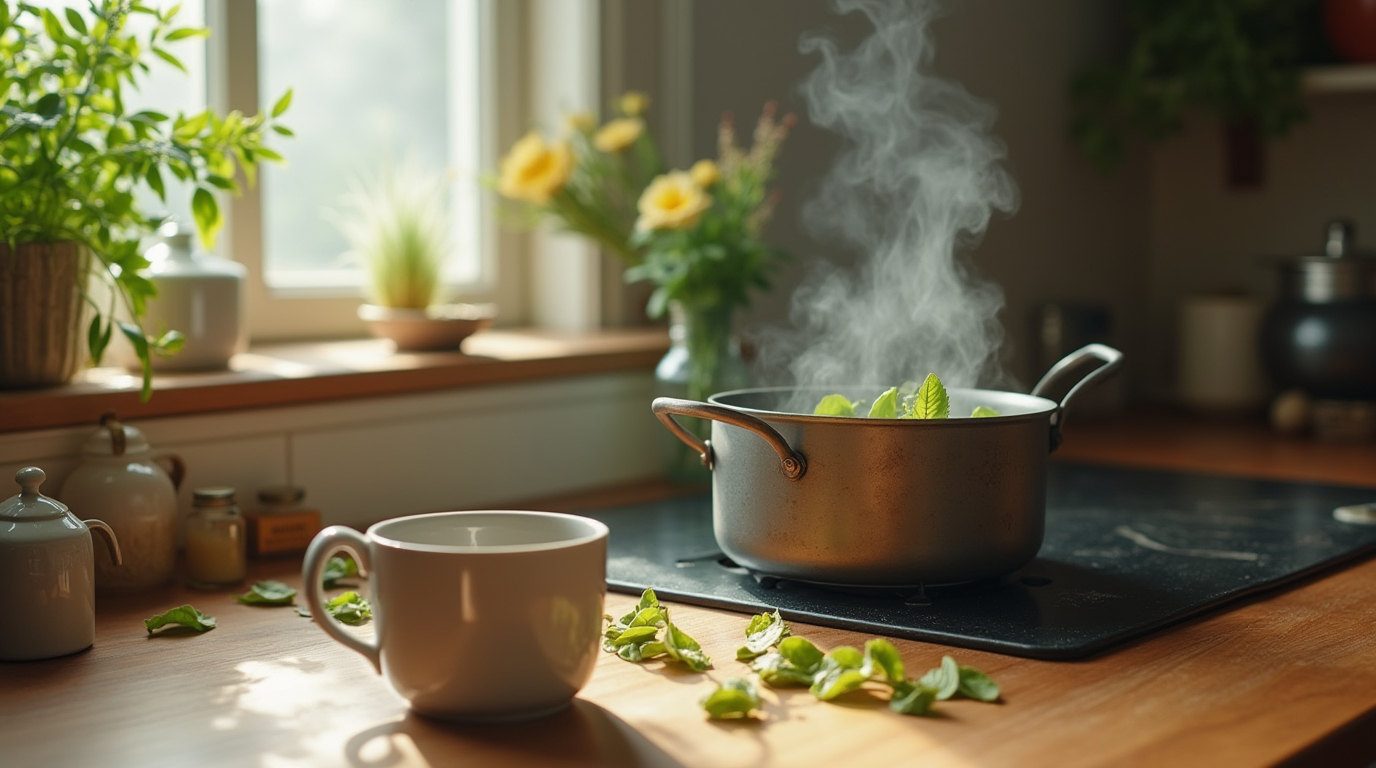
{"x":883,"y":502}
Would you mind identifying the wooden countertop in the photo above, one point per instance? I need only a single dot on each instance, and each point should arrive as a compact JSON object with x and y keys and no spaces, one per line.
{"x":1286,"y":677}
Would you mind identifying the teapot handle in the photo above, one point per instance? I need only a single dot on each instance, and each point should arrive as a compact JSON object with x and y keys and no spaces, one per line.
{"x":108,"y":535}
{"x":176,"y":470}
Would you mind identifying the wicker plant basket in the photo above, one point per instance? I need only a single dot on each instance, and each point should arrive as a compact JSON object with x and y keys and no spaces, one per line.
{"x":42,"y":334}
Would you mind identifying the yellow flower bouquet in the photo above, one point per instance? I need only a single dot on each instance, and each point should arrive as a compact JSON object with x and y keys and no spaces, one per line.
{"x":696,"y":235}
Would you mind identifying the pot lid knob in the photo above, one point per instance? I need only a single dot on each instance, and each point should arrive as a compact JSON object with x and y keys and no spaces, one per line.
{"x":1339,"y":239}
{"x":30,"y":504}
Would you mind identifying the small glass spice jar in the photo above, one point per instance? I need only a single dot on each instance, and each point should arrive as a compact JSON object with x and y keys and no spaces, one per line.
{"x":214,"y":539}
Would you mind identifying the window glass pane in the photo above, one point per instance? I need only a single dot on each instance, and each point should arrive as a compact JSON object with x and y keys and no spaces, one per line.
{"x":376,"y":82}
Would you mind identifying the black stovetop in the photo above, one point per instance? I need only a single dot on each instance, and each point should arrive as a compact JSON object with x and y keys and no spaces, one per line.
{"x":1126,"y":552}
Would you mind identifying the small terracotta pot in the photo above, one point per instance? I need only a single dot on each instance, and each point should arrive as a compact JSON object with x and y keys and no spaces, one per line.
{"x":1351,"y":28}
{"x":437,"y":328}
{"x":42,"y":334}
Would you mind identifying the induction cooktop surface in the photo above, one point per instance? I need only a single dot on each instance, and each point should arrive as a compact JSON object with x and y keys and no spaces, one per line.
{"x":1126,"y":552}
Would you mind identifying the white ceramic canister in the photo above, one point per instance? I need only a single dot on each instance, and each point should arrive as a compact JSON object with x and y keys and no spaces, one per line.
{"x":200,"y":295}
{"x":47,"y":569}
{"x":1220,"y":360}
{"x":123,"y":482}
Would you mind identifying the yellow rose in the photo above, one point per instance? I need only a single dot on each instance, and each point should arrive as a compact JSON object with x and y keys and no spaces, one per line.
{"x":672,"y":201}
{"x":579,"y":121}
{"x":618,"y":134}
{"x":705,"y":173}
{"x":533,"y":170}
{"x":633,"y":103}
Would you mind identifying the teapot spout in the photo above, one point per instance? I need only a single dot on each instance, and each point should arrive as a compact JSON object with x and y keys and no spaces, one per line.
{"x":108,"y":535}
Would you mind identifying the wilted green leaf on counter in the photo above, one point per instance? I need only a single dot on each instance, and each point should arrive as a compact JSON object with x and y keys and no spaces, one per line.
{"x":763,"y":632}
{"x":835,"y":405}
{"x":184,"y":615}
{"x":268,"y":593}
{"x":303,"y":612}
{"x":931,"y":401}
{"x":350,"y":608}
{"x":884,"y":658}
{"x":944,"y":680}
{"x":912,"y":699}
{"x":844,"y":669}
{"x":683,"y":648}
{"x":734,"y":698}
{"x":778,"y":672}
{"x":886,"y":405}
{"x":338,"y":567}
{"x":976,"y":685}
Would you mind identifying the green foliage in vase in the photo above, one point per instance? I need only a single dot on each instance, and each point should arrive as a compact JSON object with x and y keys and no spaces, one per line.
{"x":71,"y":155}
{"x":1237,"y":59}
{"x":398,"y":226}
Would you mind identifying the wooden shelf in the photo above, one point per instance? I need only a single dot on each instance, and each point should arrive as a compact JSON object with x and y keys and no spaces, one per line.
{"x":1340,"y":78}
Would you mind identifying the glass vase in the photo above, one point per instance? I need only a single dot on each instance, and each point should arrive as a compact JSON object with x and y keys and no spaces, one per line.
{"x":704,"y":358}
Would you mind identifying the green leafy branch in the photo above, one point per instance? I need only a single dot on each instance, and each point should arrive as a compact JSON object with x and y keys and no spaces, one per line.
{"x":73,"y":155}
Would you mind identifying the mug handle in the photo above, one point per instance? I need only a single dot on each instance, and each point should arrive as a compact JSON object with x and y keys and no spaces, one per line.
{"x":325,"y":544}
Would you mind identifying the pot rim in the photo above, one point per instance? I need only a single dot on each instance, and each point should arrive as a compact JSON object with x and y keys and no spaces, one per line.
{"x":1031,"y":407}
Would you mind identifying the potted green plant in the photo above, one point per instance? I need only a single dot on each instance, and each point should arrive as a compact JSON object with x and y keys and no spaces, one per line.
{"x":1236,"y":59}
{"x":71,"y":158}
{"x":397,"y":226}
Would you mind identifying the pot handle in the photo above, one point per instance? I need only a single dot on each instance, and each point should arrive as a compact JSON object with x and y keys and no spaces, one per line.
{"x":791,"y":462}
{"x":1110,"y":361}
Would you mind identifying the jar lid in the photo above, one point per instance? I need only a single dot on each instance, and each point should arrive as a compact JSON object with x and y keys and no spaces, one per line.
{"x":281,"y":494}
{"x":213,"y":496}
{"x":30,"y":505}
{"x":114,"y":438}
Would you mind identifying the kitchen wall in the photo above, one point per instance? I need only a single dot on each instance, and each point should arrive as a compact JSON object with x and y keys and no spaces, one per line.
{"x":362,"y":461}
{"x":1077,"y":236}
{"x":1206,"y":236}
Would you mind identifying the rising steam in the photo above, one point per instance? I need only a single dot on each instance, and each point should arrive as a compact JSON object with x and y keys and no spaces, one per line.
{"x":915,"y":185}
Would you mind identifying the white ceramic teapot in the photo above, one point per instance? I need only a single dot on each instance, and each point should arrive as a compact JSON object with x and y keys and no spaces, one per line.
{"x":123,"y":482}
{"x":48,"y":573}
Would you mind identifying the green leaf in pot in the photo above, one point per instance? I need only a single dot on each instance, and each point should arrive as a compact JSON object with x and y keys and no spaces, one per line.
{"x":983,"y":412}
{"x":886,"y":405}
{"x":734,"y":698}
{"x":835,"y":405}
{"x":931,"y":401}
{"x":268,"y":593}
{"x":185,"y":616}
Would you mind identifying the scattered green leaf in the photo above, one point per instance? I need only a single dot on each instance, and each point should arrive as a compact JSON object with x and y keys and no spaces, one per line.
{"x":185,"y":616}
{"x":944,"y":680}
{"x":268,"y":593}
{"x":683,"y":648}
{"x":350,"y":608}
{"x":635,"y":636}
{"x":912,"y":699}
{"x":976,"y":685}
{"x":764,"y":632}
{"x":883,"y":657}
{"x":337,"y":568}
{"x":734,"y":698}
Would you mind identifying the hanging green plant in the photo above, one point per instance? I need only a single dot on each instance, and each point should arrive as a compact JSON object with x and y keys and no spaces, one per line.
{"x":71,"y":155}
{"x":1236,"y":59}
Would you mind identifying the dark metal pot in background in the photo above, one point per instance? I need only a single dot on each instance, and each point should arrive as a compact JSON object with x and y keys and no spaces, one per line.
{"x":1320,"y":335}
{"x":883,"y":502}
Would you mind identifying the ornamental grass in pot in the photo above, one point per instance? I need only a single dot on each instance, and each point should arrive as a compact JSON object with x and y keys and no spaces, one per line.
{"x":397,"y":225}
{"x":71,"y":160}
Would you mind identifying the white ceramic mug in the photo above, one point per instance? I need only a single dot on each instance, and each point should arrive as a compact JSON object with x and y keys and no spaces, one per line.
{"x":479,"y":615}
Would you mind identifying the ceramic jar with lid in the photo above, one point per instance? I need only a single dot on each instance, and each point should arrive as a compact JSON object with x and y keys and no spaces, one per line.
{"x":200,"y":295}
{"x":1320,"y":334}
{"x":214,"y":539}
{"x":47,"y":569}
{"x":123,"y":482}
